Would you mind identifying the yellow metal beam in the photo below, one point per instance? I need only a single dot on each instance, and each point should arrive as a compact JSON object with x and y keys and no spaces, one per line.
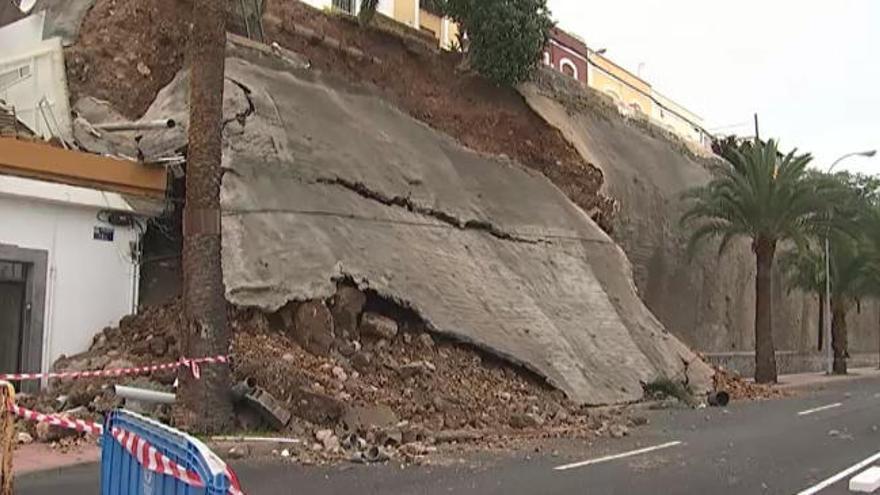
{"x":42,"y":161}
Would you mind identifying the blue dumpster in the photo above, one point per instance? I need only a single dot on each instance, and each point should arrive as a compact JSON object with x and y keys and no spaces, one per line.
{"x":122,"y":473}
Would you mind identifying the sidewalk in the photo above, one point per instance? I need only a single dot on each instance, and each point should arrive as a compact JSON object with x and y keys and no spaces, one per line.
{"x":42,"y":457}
{"x":820,"y":379}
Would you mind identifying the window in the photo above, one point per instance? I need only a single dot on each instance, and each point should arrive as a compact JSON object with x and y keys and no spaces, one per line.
{"x":547,"y":59}
{"x":11,"y":77}
{"x":568,"y":68}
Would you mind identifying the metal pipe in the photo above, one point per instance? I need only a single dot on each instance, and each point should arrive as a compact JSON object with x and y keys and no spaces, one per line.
{"x":144,"y":395}
{"x":718,"y":398}
{"x":136,"y":126}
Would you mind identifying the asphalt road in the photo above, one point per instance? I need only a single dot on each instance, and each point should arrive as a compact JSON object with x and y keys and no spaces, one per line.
{"x":783,"y":446}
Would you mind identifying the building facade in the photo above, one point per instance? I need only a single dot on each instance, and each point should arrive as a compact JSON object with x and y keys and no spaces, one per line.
{"x":409,"y":12}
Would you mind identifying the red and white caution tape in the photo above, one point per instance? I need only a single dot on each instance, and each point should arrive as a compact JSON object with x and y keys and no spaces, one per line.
{"x":192,"y":364}
{"x":152,"y":460}
{"x":234,"y":485}
{"x":80,"y":425}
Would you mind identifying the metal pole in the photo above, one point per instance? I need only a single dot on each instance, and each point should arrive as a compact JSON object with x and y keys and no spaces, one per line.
{"x":757,"y":134}
{"x":829,"y":352}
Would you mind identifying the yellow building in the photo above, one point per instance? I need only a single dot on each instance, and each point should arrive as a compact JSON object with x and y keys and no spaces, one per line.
{"x":628,"y":90}
{"x":441,"y":28}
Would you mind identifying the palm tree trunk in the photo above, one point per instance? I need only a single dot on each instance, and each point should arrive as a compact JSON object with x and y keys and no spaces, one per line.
{"x":204,"y":404}
{"x":765,"y":351}
{"x":838,"y":335}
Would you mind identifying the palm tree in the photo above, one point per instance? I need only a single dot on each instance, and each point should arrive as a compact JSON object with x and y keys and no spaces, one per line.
{"x":851,"y":280}
{"x":204,"y":405}
{"x":758,"y":194}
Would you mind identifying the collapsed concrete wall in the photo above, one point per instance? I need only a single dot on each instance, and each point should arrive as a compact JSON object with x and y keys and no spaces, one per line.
{"x":705,"y":300}
{"x":325,"y":182}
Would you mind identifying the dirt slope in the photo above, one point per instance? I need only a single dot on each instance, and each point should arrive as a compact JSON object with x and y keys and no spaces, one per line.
{"x":129,"y":49}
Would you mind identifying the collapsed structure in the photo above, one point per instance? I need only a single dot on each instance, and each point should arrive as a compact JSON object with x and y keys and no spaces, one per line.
{"x":326,"y":182}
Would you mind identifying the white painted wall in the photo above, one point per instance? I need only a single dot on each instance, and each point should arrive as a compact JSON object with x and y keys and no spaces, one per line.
{"x":41,"y":64}
{"x":91,"y":284}
{"x":385,"y":6}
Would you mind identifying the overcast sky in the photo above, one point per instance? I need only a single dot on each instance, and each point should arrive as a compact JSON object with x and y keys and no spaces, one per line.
{"x":809,"y":68}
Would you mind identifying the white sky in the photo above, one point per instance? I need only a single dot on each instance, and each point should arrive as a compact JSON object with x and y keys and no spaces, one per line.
{"x":809,"y":68}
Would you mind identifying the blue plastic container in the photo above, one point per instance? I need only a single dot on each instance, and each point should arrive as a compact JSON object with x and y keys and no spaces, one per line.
{"x":121,"y":474}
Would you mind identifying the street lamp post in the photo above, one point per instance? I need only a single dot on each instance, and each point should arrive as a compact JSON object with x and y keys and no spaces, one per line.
{"x":826,"y":324}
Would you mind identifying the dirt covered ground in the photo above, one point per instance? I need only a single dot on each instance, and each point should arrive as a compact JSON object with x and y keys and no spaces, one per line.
{"x":129,"y":49}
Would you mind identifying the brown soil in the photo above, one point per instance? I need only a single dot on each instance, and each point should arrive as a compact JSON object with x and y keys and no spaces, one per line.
{"x":120,"y":36}
{"x":741,"y":389}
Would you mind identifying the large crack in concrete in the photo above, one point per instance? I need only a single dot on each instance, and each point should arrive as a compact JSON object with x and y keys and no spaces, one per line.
{"x":241,"y":117}
{"x":407,"y":203}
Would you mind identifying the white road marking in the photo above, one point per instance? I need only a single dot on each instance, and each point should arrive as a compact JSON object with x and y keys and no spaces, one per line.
{"x":866,"y":482}
{"x":817,"y":409}
{"x":617,"y":456}
{"x":839,"y":476}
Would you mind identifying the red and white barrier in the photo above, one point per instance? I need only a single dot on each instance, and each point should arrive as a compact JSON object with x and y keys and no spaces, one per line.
{"x":192,"y":364}
{"x":80,"y":425}
{"x":150,"y":458}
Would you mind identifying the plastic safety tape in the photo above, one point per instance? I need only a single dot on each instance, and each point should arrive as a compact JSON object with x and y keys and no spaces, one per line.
{"x":150,"y":458}
{"x":80,"y":425}
{"x":192,"y":364}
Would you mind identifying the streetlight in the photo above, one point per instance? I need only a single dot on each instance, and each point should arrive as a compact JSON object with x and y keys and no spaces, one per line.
{"x":826,"y":324}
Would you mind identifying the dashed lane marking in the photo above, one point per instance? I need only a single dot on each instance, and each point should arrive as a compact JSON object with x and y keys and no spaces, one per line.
{"x":822,"y":408}
{"x":617,"y":456}
{"x":839,"y":476}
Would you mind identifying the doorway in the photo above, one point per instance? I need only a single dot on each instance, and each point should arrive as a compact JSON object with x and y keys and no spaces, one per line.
{"x":22,"y":301}
{"x":11,"y":319}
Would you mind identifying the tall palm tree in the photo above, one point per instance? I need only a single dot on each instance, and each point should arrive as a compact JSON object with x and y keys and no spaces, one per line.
{"x":758,"y":194}
{"x":851,"y":280}
{"x":204,"y":404}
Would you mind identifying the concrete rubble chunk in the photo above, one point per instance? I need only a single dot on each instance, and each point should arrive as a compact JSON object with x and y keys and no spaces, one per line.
{"x":346,"y":307}
{"x":364,"y":418}
{"x":526,"y":420}
{"x":378,"y":326}
{"x":313,"y":327}
{"x":483,"y":250}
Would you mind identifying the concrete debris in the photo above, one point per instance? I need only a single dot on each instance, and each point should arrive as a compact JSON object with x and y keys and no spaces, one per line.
{"x":340,"y":373}
{"x":416,"y":368}
{"x":346,"y":307}
{"x":313,"y":327}
{"x":450,"y":436}
{"x":508,"y":251}
{"x":143,"y":69}
{"x":238,"y":452}
{"x":24,"y":438}
{"x":618,"y":431}
{"x":378,"y":326}
{"x":526,"y":420}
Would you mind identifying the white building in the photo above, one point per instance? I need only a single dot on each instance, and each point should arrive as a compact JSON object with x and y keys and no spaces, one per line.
{"x":68,"y":268}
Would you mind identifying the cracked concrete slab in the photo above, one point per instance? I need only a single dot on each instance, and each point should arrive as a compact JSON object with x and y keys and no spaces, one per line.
{"x":326,"y":181}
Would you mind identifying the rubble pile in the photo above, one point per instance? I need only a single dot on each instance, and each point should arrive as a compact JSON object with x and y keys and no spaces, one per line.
{"x":355,"y":374}
{"x":359,"y":373}
{"x":742,"y":389}
{"x":147,"y":338}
